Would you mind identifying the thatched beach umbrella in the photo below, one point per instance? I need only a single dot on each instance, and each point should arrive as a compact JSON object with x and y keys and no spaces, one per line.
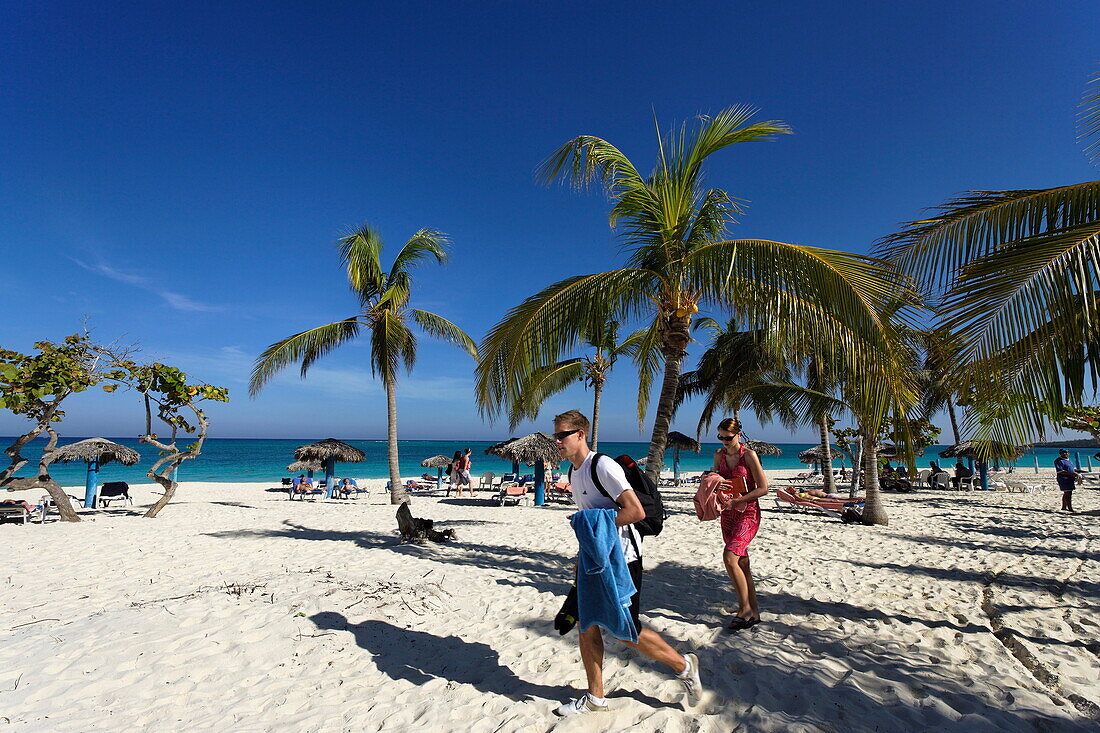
{"x":95,"y":452}
{"x":306,"y":467}
{"x":439,"y":463}
{"x":328,"y":452}
{"x":969,"y":449}
{"x":818,"y":454}
{"x":763,"y":449}
{"x":536,"y":448}
{"x":676,"y":441}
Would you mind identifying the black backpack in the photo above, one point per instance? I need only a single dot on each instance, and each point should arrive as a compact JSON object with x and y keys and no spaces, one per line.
{"x":643,"y":486}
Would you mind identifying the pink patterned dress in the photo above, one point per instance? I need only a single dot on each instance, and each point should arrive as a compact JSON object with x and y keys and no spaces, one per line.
{"x":739,"y":526}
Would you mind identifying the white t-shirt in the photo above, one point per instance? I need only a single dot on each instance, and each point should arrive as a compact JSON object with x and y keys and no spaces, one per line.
{"x":587,"y":496}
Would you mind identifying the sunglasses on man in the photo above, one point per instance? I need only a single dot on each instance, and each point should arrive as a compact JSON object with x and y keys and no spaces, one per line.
{"x":564,"y":434}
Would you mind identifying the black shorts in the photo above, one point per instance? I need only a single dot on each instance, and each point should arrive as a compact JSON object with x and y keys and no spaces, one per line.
{"x":635,"y":569}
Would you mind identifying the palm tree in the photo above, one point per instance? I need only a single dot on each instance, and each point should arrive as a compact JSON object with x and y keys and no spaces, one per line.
{"x":383,"y":312}
{"x":1014,"y":275}
{"x":673,"y":233}
{"x":593,"y":371}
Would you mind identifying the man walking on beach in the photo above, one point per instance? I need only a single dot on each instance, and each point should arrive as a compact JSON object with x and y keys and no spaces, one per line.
{"x":571,"y":436}
{"x":1067,"y":478}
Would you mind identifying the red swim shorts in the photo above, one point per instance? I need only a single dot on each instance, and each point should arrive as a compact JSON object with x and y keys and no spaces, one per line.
{"x":738,"y":528}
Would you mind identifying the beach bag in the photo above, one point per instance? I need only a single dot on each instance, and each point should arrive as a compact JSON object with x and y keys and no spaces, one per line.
{"x":450,"y":467}
{"x":648,"y":495}
{"x":712,"y":494}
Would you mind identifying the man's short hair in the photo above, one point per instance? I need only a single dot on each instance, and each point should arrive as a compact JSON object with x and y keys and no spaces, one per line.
{"x":574,"y":419}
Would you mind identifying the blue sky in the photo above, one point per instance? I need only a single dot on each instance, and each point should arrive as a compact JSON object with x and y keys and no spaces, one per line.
{"x":179,"y":173}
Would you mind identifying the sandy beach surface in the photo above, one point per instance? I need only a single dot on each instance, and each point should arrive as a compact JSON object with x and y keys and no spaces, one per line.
{"x":237,"y":610}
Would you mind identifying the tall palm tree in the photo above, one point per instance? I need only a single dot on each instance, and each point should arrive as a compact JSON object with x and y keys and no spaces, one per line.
{"x":384,"y":313}
{"x":1015,"y":275}
{"x":593,"y":371}
{"x":673,"y":233}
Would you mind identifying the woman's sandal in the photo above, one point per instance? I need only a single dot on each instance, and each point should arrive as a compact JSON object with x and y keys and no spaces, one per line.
{"x":739,"y":623}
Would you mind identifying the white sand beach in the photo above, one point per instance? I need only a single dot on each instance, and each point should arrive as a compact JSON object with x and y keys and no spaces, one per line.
{"x":238,"y":610}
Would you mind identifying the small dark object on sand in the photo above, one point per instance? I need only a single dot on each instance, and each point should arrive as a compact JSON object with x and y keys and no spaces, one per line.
{"x":419,"y":530}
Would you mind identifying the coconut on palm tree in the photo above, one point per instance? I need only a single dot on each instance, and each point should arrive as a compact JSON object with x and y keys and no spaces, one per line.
{"x":679,"y":259}
{"x":384,"y":314}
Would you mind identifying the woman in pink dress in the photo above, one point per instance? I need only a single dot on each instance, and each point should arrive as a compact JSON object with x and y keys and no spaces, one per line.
{"x":740,"y":518}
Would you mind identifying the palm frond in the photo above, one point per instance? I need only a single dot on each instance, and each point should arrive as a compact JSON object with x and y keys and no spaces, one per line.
{"x":391,"y":343}
{"x":644,"y":348}
{"x":541,"y":328}
{"x":542,"y":384}
{"x":587,"y":159}
{"x":425,"y":244}
{"x":725,"y":129}
{"x":361,"y":252}
{"x":305,"y":347}
{"x":972,"y":226}
{"x":440,"y":328}
{"x":1088,"y":119}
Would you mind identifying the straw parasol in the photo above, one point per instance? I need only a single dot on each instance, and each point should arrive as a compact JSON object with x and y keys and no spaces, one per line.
{"x":536,"y":449}
{"x":301,"y":466}
{"x":763,"y":449}
{"x":676,"y":441}
{"x":329,"y":451}
{"x":969,"y":449}
{"x":329,"y":448}
{"x":95,"y":452}
{"x":817,"y":454}
{"x":679,"y":440}
{"x":529,"y":449}
{"x":101,"y":450}
{"x":439,"y":463}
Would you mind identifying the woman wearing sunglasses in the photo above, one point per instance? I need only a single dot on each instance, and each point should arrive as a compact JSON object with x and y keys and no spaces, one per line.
{"x":740,"y":518}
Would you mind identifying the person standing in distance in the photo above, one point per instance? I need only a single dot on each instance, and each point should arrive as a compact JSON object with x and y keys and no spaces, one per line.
{"x":1067,"y":478}
{"x":571,"y":437}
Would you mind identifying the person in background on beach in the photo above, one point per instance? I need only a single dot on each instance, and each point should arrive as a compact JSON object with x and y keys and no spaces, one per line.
{"x":1067,"y":478}
{"x":571,"y":437}
{"x":457,"y":479}
{"x":935,"y":467}
{"x":961,"y":472}
{"x":740,"y":518}
{"x":467,"y":464}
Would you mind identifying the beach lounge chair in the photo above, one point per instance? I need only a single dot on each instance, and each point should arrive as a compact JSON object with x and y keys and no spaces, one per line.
{"x":305,"y":490}
{"x":832,"y":507}
{"x":513,"y":493}
{"x":350,"y":492}
{"x":486,"y":481}
{"x":21,"y":510}
{"x":560,"y":491}
{"x":113,"y":491}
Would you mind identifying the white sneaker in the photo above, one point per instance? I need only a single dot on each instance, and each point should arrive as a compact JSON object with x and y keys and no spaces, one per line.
{"x":579,"y":706}
{"x":693,"y":686}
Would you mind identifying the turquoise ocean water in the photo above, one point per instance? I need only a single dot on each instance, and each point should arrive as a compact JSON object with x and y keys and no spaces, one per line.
{"x":261,"y":460}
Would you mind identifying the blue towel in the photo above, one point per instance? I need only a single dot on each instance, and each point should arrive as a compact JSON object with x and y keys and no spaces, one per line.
{"x":604,"y":587}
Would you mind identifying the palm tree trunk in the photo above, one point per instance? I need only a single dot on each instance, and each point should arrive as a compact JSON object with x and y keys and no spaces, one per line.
{"x":397,"y":491}
{"x":827,"y":464}
{"x":597,"y":389}
{"x":873,"y":510}
{"x":674,"y":360}
{"x":954,"y":421}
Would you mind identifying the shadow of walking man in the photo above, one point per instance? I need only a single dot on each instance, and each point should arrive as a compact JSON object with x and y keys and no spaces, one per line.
{"x":419,"y":657}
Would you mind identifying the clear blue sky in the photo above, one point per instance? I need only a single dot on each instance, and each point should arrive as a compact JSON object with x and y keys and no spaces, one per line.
{"x":171,"y":170}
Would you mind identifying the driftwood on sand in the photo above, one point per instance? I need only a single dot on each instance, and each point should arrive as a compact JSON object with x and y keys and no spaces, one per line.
{"x":419,"y":530}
